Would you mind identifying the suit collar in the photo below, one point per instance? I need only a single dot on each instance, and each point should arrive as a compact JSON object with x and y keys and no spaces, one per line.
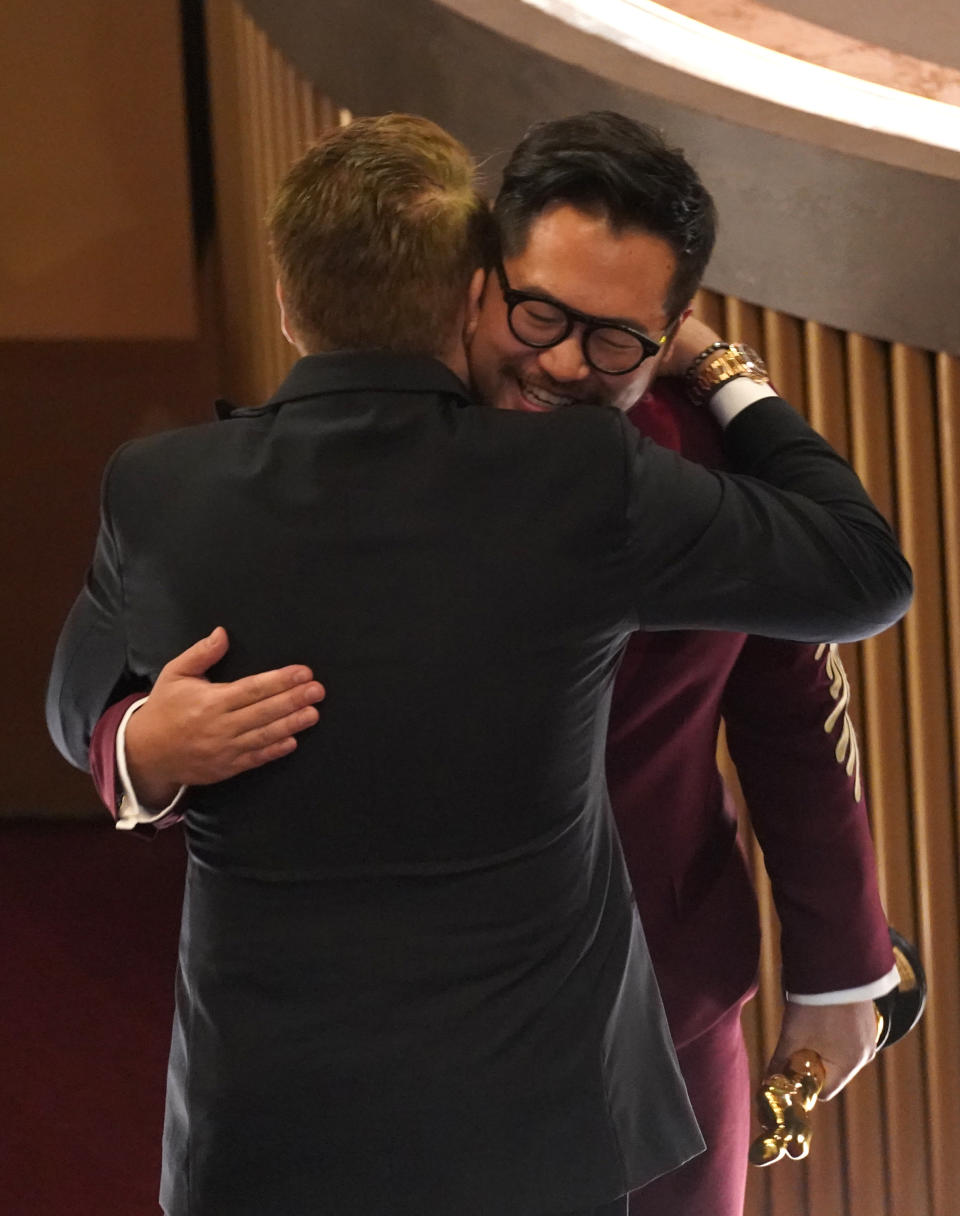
{"x":357,"y":371}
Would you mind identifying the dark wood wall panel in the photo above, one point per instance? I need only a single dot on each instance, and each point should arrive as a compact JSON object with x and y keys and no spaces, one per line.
{"x":95,"y":238}
{"x":67,"y":405}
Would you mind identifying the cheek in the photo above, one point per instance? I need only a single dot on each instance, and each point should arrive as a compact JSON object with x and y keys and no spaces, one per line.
{"x":626,"y":394}
{"x":494,"y":345}
{"x":623,"y":396}
{"x":484,"y":360}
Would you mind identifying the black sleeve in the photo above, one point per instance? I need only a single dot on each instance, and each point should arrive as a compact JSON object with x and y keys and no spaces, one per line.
{"x":788,"y":546}
{"x":90,"y":662}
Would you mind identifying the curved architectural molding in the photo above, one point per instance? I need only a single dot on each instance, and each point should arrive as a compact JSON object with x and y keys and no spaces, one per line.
{"x":853,"y":227}
{"x":930,"y":29}
{"x":769,"y":26}
{"x":697,"y":64}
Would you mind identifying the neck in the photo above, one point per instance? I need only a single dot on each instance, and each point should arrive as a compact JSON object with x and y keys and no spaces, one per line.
{"x":456,"y":360}
{"x":455,"y":357}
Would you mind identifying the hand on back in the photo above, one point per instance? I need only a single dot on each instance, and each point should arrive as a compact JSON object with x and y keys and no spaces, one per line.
{"x":191,"y":731}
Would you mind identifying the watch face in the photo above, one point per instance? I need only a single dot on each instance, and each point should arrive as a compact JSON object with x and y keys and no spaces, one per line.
{"x":742,"y":360}
{"x":728,"y":363}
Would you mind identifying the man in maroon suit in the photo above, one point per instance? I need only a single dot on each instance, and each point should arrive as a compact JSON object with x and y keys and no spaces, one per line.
{"x":785,"y":709}
{"x":784,"y":705}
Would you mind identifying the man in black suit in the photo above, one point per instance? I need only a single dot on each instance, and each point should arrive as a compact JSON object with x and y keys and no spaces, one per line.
{"x":411,"y":979}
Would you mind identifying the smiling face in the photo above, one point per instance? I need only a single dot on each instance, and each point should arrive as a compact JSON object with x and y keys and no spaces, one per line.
{"x":576,"y":259}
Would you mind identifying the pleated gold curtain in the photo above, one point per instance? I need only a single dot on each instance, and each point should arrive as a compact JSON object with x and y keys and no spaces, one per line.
{"x":887,"y":1146}
{"x":264,"y":115}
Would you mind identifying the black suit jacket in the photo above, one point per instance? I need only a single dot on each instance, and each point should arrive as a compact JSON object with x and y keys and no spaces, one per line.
{"x":411,"y":977}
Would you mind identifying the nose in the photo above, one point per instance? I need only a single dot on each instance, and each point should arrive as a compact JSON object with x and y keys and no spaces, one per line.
{"x":565,"y":362}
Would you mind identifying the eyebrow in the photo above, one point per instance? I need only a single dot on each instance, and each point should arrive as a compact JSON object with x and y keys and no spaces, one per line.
{"x":549,"y":298}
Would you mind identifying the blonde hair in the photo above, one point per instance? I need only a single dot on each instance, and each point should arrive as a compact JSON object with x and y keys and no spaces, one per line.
{"x":376,"y":232}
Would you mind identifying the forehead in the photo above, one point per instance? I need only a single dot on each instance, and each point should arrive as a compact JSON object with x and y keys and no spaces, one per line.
{"x":577,"y":257}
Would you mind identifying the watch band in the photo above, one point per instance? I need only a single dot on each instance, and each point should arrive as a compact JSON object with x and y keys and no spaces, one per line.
{"x":715,"y":367}
{"x":707,"y":351}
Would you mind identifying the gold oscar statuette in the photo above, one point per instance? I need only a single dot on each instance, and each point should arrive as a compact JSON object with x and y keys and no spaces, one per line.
{"x":785,"y":1100}
{"x":784,"y":1103}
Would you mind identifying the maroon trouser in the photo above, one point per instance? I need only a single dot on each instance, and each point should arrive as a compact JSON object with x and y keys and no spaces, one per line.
{"x":717,"y":1076}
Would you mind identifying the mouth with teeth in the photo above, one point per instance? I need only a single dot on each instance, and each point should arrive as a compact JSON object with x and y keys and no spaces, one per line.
{"x":536,"y":399}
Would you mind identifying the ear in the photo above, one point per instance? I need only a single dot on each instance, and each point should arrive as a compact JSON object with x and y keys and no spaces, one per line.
{"x":675,"y":329}
{"x":284,"y":327}
{"x":474,"y":293}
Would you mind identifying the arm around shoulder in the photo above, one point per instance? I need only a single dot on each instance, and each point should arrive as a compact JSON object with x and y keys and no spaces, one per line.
{"x":789,"y":545}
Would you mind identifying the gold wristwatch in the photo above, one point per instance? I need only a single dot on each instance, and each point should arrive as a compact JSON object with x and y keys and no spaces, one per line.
{"x":720,"y":364}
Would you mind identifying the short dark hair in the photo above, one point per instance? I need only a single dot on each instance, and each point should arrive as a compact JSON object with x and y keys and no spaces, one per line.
{"x":375,"y":232}
{"x":606,"y":163}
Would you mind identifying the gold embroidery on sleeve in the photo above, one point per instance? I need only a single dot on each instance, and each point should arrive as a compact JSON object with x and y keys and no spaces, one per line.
{"x":847,"y":749}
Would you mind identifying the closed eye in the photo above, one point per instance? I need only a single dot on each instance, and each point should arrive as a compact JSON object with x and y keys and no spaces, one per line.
{"x":614,"y":340}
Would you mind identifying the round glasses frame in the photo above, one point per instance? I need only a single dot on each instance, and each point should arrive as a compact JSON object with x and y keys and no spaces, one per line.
{"x":513,"y":299}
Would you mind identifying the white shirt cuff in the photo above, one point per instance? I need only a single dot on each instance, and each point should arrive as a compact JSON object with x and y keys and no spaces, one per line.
{"x":130,"y":812}
{"x":846,"y":996}
{"x":733,"y":398}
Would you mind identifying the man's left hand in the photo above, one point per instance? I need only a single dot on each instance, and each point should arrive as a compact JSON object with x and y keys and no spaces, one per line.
{"x":692,"y":337}
{"x":844,"y":1036}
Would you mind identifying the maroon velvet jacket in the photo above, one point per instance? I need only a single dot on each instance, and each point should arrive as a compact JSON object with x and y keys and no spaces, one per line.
{"x":676,"y":820}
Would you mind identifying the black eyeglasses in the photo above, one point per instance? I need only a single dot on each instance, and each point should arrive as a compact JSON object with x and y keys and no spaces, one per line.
{"x":608,"y":347}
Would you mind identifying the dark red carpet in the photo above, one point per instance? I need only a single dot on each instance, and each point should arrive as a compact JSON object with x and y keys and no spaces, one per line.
{"x":89,"y":920}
